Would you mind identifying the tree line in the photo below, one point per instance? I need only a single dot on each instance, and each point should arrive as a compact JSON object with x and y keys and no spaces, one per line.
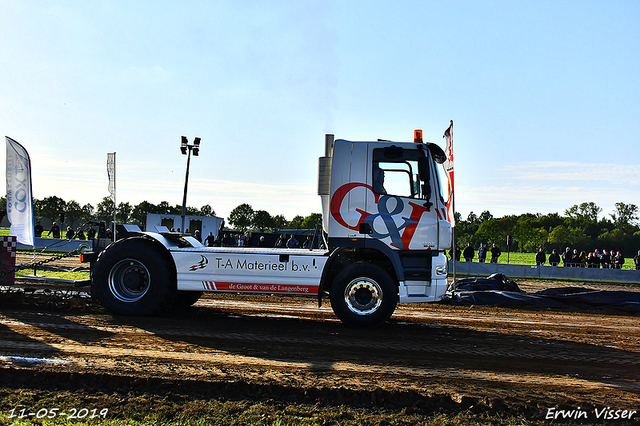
{"x":580,"y":227}
{"x":243,"y":217}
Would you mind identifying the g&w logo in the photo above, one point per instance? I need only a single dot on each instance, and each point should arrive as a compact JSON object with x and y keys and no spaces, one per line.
{"x":389,"y":208}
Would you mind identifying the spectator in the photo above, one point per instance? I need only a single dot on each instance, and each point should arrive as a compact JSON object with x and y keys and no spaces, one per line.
{"x":196,"y":235}
{"x":458,"y":253}
{"x":482,"y":253}
{"x":468,"y":253}
{"x":91,"y":233}
{"x":566,"y":258}
{"x":38,"y":230}
{"x":593,"y":261}
{"x":281,"y":243}
{"x":210,"y":240}
{"x":618,"y":261}
{"x":554,"y":258}
{"x":582,"y":259}
{"x":80,"y":234}
{"x":576,"y":258}
{"x":69,"y":234}
{"x":55,"y":230}
{"x":636,"y":260}
{"x":541,"y":257}
{"x":605,"y":259}
{"x":292,"y":242}
{"x":495,"y":253}
{"x":102,"y":230}
{"x":308,"y":243}
{"x":262,"y":242}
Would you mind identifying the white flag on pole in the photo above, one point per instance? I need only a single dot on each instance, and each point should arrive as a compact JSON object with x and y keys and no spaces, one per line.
{"x":19,"y":194}
{"x":111,"y":173}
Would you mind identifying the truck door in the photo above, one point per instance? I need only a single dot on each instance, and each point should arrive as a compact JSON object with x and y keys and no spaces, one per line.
{"x":401,"y":212}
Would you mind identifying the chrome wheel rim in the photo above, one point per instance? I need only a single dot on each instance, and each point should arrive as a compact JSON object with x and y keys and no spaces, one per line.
{"x":129,"y":280}
{"x":363,"y":296}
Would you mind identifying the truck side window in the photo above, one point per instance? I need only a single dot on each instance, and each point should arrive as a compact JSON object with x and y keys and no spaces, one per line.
{"x":397,"y":175}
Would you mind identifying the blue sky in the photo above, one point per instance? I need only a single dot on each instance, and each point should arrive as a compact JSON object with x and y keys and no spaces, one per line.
{"x":545,"y":96}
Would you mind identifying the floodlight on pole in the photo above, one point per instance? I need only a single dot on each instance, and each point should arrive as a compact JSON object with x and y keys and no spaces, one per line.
{"x":186,"y":149}
{"x":196,"y":147}
{"x":183,"y":145}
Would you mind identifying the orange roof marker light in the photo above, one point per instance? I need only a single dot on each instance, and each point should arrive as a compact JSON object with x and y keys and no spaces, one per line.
{"x":417,"y":136}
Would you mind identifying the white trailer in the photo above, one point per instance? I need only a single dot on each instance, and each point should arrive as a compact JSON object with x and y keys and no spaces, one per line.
{"x":384,"y":229}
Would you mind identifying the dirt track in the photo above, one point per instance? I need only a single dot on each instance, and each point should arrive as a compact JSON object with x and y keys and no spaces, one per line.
{"x":434,"y":357}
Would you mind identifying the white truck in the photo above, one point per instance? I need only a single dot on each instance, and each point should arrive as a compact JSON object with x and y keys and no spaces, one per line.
{"x":385,"y":232}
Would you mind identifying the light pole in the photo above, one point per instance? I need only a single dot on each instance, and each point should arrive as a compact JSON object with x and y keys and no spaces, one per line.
{"x":186,"y":150}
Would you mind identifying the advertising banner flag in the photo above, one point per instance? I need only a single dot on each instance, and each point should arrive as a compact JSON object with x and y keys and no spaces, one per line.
{"x":448,"y":166}
{"x":111,"y":173}
{"x":19,"y":193}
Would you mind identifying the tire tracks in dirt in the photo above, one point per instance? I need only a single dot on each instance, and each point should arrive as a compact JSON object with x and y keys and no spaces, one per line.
{"x":463,"y":353}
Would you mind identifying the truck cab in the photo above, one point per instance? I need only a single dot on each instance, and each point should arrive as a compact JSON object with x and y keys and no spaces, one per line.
{"x":382,"y":203}
{"x":385,"y":232}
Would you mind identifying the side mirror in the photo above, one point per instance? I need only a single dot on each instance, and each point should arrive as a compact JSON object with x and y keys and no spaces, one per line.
{"x":437,"y":152}
{"x":423,"y":172}
{"x":423,"y":169}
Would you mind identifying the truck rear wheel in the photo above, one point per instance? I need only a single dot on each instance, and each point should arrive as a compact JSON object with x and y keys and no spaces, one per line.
{"x":132,"y":277}
{"x":363,"y":295}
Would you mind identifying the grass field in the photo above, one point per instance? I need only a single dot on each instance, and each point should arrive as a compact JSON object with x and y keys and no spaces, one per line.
{"x":60,"y":275}
{"x":129,"y":409}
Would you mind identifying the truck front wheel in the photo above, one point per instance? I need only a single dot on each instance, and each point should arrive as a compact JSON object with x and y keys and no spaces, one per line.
{"x":363,"y":295}
{"x":132,"y":277}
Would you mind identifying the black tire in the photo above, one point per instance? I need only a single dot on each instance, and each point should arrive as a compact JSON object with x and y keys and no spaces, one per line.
{"x":135,"y":276}
{"x":363,"y":295}
{"x":184,"y":299}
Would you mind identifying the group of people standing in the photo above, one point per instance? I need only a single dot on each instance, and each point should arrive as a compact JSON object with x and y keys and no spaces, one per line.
{"x":227,"y":240}
{"x":243,"y":240}
{"x":469,"y":252}
{"x":70,"y":234}
{"x":596,"y":259}
{"x":569,"y":258}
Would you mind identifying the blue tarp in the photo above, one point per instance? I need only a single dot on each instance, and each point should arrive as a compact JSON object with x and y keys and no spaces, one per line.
{"x":498,"y":290}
